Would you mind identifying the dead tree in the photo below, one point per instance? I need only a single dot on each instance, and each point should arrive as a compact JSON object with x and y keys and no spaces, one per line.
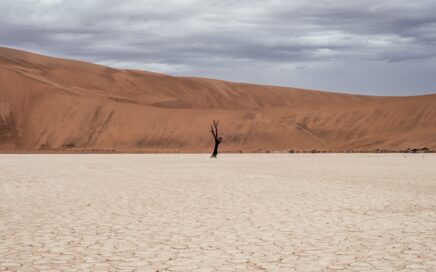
{"x":218,"y":140}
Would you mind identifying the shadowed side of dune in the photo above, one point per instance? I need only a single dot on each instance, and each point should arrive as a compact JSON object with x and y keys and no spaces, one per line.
{"x":50,"y":104}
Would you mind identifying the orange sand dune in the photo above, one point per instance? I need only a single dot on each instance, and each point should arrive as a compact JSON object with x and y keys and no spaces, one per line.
{"x":51,"y":104}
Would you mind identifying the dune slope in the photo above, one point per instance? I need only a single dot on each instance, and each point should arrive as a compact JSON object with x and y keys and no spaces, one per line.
{"x":51,"y":104}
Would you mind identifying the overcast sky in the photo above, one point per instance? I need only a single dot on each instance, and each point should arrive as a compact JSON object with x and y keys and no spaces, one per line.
{"x":382,"y":47}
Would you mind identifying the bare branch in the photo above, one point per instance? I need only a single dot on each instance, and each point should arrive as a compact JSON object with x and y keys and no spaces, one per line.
{"x":213,"y":132}
{"x":215,"y":124}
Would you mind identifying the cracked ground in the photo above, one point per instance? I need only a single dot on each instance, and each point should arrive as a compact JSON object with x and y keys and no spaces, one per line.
{"x":258,"y":212}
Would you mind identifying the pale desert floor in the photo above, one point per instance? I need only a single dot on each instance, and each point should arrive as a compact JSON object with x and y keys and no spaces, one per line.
{"x":264,"y":212}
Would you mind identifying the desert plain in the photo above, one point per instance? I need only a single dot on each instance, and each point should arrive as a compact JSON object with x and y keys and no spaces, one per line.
{"x":241,"y":212}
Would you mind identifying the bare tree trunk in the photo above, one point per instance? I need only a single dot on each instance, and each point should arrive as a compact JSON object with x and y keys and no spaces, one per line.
{"x":215,"y":150}
{"x":218,"y":140}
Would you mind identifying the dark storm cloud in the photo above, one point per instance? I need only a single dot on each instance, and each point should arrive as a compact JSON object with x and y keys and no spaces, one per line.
{"x":298,"y":43}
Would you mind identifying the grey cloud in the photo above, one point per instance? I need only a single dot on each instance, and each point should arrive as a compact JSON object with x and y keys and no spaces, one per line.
{"x":257,"y":41}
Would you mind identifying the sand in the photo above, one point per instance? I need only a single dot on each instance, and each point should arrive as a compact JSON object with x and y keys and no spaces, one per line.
{"x":57,"y":105}
{"x":263,"y":212}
